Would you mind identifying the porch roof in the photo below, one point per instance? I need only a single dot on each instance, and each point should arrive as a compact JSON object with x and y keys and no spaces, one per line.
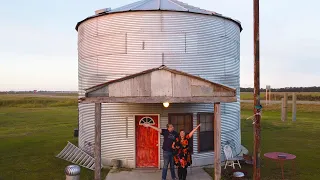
{"x":159,"y":85}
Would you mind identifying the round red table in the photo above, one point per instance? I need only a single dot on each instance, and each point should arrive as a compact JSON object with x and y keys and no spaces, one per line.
{"x":275,"y":157}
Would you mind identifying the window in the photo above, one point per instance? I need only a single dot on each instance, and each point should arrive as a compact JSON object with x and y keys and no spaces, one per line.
{"x":182,"y":121}
{"x":146,"y":120}
{"x":205,"y":138}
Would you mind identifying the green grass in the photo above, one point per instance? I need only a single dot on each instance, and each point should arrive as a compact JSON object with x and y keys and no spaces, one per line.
{"x":300,"y":138}
{"x":34,"y":129}
{"x":36,"y":101}
{"x":31,"y":138}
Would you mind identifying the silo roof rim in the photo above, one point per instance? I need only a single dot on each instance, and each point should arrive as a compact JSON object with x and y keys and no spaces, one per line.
{"x":160,"y":5}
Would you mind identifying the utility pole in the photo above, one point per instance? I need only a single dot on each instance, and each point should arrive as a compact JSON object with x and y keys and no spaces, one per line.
{"x":256,"y":39}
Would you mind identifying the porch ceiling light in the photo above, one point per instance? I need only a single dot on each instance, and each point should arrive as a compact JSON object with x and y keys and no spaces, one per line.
{"x":166,"y":104}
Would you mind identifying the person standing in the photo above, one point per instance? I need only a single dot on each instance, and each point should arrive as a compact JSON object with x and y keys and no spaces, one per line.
{"x":182,"y":154}
{"x":169,"y":136}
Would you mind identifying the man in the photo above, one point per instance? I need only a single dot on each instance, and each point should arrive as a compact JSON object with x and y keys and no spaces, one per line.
{"x":169,"y":135}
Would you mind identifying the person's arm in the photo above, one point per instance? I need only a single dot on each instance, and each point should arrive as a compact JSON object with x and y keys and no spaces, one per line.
{"x":155,"y":128}
{"x":191,"y":133}
{"x":174,"y":144}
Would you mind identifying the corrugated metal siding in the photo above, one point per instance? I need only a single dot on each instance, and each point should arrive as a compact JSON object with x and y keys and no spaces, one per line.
{"x":111,"y":47}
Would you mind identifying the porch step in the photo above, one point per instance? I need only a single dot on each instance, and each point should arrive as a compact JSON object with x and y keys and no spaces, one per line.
{"x":72,"y":153}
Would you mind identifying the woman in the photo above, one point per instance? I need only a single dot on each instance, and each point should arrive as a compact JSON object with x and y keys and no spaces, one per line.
{"x":182,"y":155}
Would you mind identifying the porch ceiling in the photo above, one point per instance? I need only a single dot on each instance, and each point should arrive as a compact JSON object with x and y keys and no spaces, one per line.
{"x":159,"y":85}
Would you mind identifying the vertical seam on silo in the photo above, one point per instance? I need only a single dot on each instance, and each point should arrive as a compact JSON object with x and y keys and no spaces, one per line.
{"x":225,"y":28}
{"x":126,"y":46}
{"x":161,"y":21}
{"x":197,"y":42}
{"x":162,"y":58}
{"x":224,"y":67}
{"x":185,"y":42}
{"x":126,"y":127}
{"x":97,"y":26}
{"x":97,"y":61}
{"x":172,"y":85}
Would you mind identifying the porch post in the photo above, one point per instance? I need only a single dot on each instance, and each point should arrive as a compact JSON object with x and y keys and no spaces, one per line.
{"x":217,"y":141}
{"x":97,"y":145}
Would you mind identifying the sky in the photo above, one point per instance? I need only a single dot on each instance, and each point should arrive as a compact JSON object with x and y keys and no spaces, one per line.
{"x":38,"y":41}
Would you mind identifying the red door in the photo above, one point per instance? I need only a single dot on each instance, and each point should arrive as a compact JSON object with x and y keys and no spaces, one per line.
{"x":147,"y":142}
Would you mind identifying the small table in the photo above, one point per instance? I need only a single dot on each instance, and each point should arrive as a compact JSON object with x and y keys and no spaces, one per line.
{"x":286,"y":157}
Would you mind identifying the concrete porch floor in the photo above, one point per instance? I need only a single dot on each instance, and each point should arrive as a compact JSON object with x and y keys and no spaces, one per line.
{"x":196,"y":173}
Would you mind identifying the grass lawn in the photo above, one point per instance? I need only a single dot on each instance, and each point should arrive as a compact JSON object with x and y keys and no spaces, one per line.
{"x":301,"y":138}
{"x":35,"y":129}
{"x":31,"y":138}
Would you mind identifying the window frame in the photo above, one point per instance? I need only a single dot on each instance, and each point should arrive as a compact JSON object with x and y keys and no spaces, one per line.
{"x":183,"y":114}
{"x":146,"y":121}
{"x":198,"y":122}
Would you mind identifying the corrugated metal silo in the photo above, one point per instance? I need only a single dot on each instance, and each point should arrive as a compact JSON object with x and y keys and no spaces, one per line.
{"x":144,"y":35}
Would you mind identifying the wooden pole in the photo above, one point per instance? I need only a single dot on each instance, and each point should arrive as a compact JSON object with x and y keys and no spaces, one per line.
{"x":282,"y":110}
{"x":270,"y":96}
{"x":217,"y":141}
{"x":257,"y":130}
{"x":266,"y":96}
{"x":285,"y":106}
{"x":294,"y":107}
{"x":97,"y":145}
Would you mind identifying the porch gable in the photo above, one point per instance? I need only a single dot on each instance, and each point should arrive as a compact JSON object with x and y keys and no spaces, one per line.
{"x":159,"y":85}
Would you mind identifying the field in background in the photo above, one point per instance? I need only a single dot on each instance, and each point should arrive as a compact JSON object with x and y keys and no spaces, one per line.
{"x":37,"y":100}
{"x":276,"y":96}
{"x":33,"y":129}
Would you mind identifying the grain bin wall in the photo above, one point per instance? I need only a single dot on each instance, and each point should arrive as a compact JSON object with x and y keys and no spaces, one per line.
{"x":120,"y":44}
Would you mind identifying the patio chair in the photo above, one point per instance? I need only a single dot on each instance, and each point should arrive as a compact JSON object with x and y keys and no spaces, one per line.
{"x":230,"y":160}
